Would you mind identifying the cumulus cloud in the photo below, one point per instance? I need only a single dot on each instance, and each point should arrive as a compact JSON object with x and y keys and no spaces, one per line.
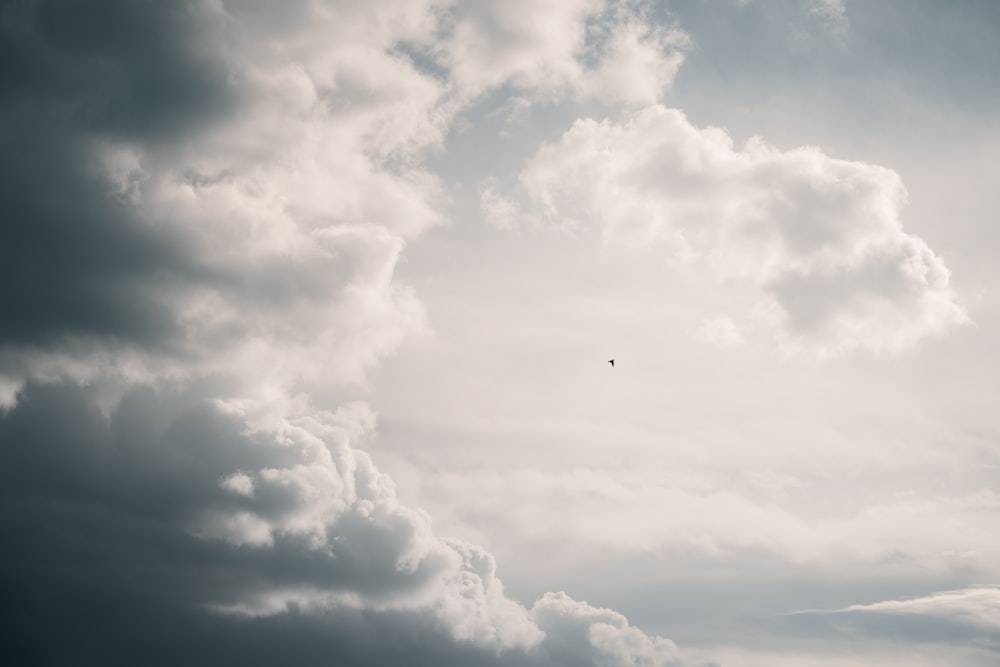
{"x":529,"y":44}
{"x":126,"y":518}
{"x":250,"y":219}
{"x":637,"y":59}
{"x":822,"y":238}
{"x":580,"y":634}
{"x":273,"y":168}
{"x":205,"y":206}
{"x":583,"y":49}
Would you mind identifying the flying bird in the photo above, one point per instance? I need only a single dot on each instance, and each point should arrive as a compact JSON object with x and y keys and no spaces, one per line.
{"x":612,"y":362}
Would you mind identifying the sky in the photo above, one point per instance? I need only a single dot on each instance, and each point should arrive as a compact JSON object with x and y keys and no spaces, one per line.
{"x":306,"y":311}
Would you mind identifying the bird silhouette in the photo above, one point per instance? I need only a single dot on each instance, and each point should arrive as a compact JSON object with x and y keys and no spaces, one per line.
{"x":612,"y":362}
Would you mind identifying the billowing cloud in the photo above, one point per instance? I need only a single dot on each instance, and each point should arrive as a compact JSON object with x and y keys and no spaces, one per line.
{"x":205,"y":206}
{"x":248,"y":219}
{"x":587,"y":49}
{"x":252,"y":163}
{"x":637,"y":59}
{"x":139,"y":516}
{"x":821,"y":238}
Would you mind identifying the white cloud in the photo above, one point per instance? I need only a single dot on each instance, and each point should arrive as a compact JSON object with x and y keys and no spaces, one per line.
{"x":288,"y":212}
{"x":638,"y":60}
{"x":322,"y":533}
{"x":237,"y":528}
{"x":978,"y":606}
{"x":530,"y":44}
{"x":821,"y":238}
{"x":332,"y":496}
{"x":239,"y":483}
{"x":8,"y":393}
{"x":968,"y":618}
{"x":584,"y":49}
{"x":607,"y":634}
{"x":291,"y":212}
{"x":335,"y":498}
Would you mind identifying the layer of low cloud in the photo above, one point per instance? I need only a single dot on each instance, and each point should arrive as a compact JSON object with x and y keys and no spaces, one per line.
{"x":821,"y":238}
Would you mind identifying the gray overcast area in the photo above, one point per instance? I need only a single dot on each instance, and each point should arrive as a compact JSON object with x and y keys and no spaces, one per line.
{"x":306,"y":307}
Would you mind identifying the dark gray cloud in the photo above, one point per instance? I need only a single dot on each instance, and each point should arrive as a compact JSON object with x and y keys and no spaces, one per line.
{"x":150,"y":474}
{"x":74,"y":74}
{"x":72,"y":262}
{"x":164,"y":174}
{"x":218,"y":193}
{"x":103,"y":560}
{"x":99,"y":564}
{"x":149,"y":72}
{"x":121,"y":540}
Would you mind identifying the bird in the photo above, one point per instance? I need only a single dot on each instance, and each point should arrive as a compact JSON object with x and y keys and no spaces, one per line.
{"x":612,"y":362}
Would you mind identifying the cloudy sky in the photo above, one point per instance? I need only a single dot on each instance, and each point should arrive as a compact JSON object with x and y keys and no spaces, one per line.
{"x":306,"y":307}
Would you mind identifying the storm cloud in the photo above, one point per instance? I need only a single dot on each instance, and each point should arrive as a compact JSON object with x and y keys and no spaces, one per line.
{"x":205,"y":205}
{"x":128,"y":540}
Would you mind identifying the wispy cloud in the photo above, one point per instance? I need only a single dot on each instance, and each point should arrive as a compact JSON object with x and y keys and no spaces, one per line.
{"x":978,"y":606}
{"x":832,"y":12}
{"x":964,"y":617}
